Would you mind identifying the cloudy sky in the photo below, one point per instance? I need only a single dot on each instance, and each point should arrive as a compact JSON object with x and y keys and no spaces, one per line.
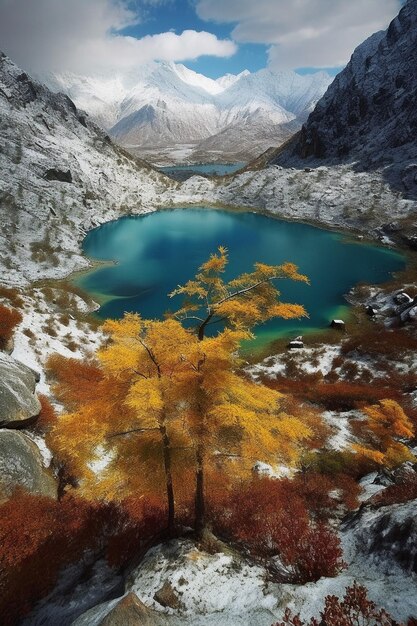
{"x":210,"y":36}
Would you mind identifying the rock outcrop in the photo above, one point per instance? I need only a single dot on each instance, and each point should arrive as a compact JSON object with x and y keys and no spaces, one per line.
{"x":19,"y":405}
{"x":126,"y":611}
{"x":130,"y":611}
{"x":21,"y":466}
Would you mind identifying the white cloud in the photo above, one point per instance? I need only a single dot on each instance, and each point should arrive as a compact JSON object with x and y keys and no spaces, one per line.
{"x":302,"y":33}
{"x":85,"y":36}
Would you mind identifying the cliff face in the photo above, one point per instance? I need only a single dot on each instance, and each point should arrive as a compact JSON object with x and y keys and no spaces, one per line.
{"x":369,"y":115}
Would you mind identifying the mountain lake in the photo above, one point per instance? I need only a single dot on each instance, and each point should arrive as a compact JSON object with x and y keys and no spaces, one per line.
{"x":208,"y":169}
{"x":156,"y":252}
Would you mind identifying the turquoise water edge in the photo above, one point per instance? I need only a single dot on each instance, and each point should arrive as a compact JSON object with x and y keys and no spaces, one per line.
{"x":211,"y":169}
{"x":156,"y":252}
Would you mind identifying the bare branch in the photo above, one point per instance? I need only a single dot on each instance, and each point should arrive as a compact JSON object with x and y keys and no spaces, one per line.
{"x":151,"y":356}
{"x":246,"y":289}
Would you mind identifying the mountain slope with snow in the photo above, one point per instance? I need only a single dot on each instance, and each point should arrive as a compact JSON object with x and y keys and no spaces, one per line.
{"x":166,"y":104}
{"x":368,"y":115}
{"x":60,"y":174}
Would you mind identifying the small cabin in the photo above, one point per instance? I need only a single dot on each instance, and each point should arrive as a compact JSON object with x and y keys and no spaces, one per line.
{"x":295,"y":344}
{"x":338,"y":324}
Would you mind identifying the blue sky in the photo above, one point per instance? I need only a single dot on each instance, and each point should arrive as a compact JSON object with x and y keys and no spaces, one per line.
{"x":213,"y":37}
{"x":180,"y":15}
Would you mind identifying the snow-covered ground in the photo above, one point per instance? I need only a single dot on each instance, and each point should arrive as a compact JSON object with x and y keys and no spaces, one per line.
{"x":224,"y":590}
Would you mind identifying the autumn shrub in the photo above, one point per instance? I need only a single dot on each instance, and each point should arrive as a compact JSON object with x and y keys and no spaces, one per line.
{"x":389,"y":343}
{"x":269,"y":518}
{"x":144,"y":520}
{"x":12,"y":295}
{"x":40,"y":536}
{"x":353,"y":610}
{"x":334,"y":396}
{"x":401,"y":492}
{"x":384,"y":429}
{"x":9,"y":319}
{"x":76,"y":380}
{"x":323,"y":493}
{"x":47,"y":416}
{"x":338,"y":462}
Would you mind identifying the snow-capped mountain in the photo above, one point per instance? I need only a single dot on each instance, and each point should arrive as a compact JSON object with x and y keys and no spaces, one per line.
{"x":166,"y":104}
{"x":368,"y":115}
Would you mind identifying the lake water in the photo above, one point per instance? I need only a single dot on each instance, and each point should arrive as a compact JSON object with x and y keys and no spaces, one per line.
{"x":156,"y":252}
{"x":210,"y":169}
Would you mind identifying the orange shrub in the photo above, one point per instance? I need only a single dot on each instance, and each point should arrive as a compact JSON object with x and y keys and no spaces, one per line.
{"x":76,"y":380}
{"x":334,"y":396}
{"x":9,"y":319}
{"x":46,"y":417}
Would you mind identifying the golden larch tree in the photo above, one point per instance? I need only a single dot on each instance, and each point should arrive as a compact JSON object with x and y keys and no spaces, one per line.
{"x":385,"y":428}
{"x":161,"y":389}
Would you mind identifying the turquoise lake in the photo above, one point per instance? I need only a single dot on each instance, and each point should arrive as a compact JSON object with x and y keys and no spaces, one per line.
{"x":211,"y":169}
{"x":156,"y":252}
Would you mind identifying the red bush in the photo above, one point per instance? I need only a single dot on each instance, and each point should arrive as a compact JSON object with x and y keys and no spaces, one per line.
{"x":398,"y":493}
{"x":334,"y":396}
{"x":354,"y":609}
{"x":269,"y":518}
{"x":39,"y":536}
{"x":9,"y":319}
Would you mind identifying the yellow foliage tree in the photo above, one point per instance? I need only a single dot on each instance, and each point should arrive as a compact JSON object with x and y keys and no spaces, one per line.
{"x":239,"y":304}
{"x":386,"y":425}
{"x":164,"y":389}
{"x":232,"y":417}
{"x":243,"y":302}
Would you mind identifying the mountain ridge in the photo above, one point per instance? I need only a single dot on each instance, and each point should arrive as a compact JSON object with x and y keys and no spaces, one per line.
{"x":167,"y":104}
{"x":368,"y":116}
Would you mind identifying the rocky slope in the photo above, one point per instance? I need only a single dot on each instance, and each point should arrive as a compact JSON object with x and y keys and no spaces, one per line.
{"x":368,"y":117}
{"x":59,"y":174}
{"x":167,"y":105}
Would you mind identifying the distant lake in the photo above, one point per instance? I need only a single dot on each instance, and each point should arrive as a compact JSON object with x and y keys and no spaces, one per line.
{"x":181,"y":172}
{"x":158,"y":251}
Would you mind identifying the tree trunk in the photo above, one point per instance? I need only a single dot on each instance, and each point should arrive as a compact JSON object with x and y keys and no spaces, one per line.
{"x":202,"y":327}
{"x":168,"y":480}
{"x":200,"y":508}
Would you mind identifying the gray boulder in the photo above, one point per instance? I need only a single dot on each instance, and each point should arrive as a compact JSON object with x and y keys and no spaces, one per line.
{"x":21,"y":466}
{"x":18,"y":403}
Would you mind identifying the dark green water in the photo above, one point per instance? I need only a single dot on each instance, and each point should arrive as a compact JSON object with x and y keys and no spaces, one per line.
{"x":156,"y":252}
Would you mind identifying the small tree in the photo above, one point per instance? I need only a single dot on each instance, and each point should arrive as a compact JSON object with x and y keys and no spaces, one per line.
{"x":174,"y":390}
{"x":386,"y":425}
{"x":143,"y":378}
{"x":238,"y":304}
